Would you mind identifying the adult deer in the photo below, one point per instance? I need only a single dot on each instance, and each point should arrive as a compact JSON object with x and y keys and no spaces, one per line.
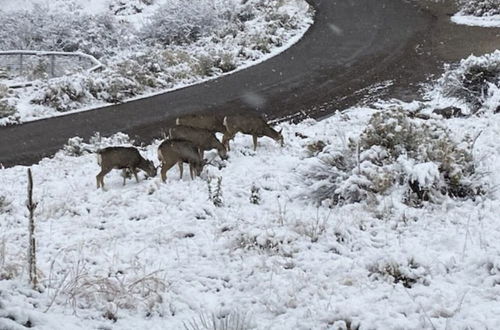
{"x":171,"y":152}
{"x":212,"y":123}
{"x":124,"y":158}
{"x":249,"y":124}
{"x":202,"y":138}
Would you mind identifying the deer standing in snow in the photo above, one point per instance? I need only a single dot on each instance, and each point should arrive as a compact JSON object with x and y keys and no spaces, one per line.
{"x":213,"y":123}
{"x":249,"y":124}
{"x":202,"y":138}
{"x":171,"y":152}
{"x":124,"y":158}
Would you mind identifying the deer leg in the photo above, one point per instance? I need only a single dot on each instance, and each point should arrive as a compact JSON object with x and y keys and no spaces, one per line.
{"x":191,"y":170}
{"x":164,"y":168}
{"x":100,"y":177}
{"x":181,"y":167}
{"x":124,"y":174}
{"x":254,"y":142}
{"x":135,"y":174}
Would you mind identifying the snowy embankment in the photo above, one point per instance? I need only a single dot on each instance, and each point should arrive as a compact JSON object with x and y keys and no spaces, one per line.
{"x":275,"y":245}
{"x":487,"y":21}
{"x":147,"y":47}
{"x":485,"y":13}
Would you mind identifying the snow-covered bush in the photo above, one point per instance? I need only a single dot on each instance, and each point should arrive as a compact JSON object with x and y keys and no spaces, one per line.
{"x":407,"y":272}
{"x":395,"y":152}
{"x":475,"y":81}
{"x":271,"y":242}
{"x":181,"y":22}
{"x":480,"y":7}
{"x":62,"y":94}
{"x":39,"y":29}
{"x":6,"y":107}
{"x":130,"y":7}
{"x":74,"y":147}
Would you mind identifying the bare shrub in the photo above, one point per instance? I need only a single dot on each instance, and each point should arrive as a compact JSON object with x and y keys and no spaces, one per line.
{"x":130,"y":289}
{"x":225,"y":321}
{"x":313,"y":227}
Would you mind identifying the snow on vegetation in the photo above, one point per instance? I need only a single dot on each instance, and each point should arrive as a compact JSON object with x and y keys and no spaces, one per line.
{"x":473,"y":85}
{"x":484,"y":13}
{"x":146,"y":45}
{"x":375,"y":218}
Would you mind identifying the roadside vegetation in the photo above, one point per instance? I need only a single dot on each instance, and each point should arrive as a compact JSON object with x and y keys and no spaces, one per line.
{"x":176,"y":43}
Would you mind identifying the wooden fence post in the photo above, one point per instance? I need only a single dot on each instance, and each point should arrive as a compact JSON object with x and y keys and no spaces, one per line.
{"x":31,"y":229}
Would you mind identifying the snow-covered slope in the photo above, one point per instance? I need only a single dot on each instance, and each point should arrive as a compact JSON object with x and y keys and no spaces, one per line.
{"x":156,"y":255}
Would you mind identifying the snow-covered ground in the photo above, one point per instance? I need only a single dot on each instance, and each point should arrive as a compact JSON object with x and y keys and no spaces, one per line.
{"x":484,"y":21}
{"x":143,"y":50}
{"x":159,"y":255}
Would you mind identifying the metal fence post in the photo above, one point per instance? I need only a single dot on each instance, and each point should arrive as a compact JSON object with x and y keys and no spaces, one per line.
{"x":52,"y":65}
{"x":20,"y":64}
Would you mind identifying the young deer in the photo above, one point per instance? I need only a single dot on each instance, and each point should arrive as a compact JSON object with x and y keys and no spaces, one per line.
{"x":124,"y":158}
{"x":213,"y":123}
{"x":202,"y":138}
{"x":171,"y":152}
{"x":248,"y":124}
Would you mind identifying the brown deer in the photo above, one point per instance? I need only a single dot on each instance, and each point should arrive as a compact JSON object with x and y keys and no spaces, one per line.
{"x":213,"y":123}
{"x":124,"y":158}
{"x":171,"y":152}
{"x":249,"y":124}
{"x":202,"y":138}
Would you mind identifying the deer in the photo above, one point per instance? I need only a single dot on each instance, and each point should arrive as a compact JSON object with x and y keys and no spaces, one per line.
{"x":124,"y":158}
{"x":202,"y":138}
{"x":250,"y":124}
{"x":171,"y":152}
{"x":213,"y":123}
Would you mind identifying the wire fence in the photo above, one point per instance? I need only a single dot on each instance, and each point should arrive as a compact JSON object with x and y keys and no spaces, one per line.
{"x":20,"y":68}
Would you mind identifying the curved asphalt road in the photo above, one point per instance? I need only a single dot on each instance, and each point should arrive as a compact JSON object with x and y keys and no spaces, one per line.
{"x":352,"y":45}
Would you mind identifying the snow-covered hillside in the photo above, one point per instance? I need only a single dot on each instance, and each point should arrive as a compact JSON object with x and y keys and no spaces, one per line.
{"x":381,"y":217}
{"x":147,"y":46}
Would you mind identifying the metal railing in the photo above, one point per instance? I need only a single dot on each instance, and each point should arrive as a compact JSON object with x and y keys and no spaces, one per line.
{"x":22,"y":63}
